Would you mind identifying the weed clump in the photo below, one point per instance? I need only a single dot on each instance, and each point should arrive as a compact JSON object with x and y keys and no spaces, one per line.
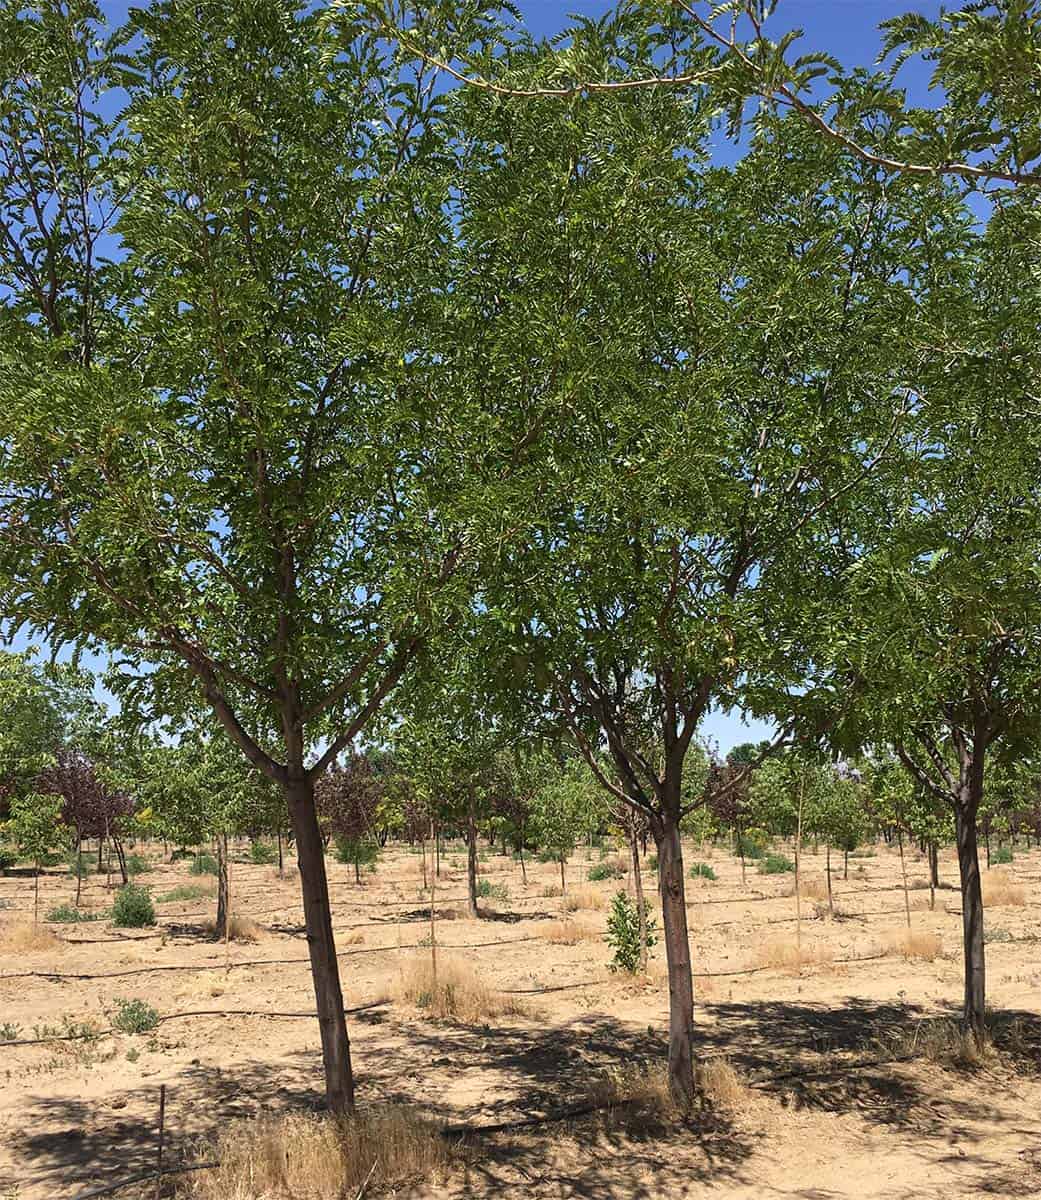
{"x":69,"y":914}
{"x":700,"y":870}
{"x":203,"y":864}
{"x":775,"y":864}
{"x":608,"y":869}
{"x":454,"y":993}
{"x":492,"y":891}
{"x":262,"y":853}
{"x":134,"y":1016}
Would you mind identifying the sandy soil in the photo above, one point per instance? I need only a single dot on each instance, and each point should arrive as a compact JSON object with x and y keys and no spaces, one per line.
{"x":237,"y":1037}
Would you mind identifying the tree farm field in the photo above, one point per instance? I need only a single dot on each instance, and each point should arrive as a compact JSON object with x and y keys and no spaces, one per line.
{"x":831,"y":1060}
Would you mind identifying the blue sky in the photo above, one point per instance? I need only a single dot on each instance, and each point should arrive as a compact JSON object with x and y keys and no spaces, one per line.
{"x":847,"y":29}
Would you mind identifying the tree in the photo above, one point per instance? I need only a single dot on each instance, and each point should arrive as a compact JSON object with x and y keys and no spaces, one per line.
{"x":564,"y":809}
{"x":948,"y":665}
{"x":348,"y":799}
{"x":213,"y":458}
{"x":36,"y":828}
{"x":699,"y":437}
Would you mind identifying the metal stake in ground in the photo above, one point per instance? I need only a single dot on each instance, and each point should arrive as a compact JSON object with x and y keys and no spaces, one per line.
{"x":162,"y":1131}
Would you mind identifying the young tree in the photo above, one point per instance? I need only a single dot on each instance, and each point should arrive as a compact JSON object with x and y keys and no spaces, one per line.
{"x":36,"y":828}
{"x":348,"y":799}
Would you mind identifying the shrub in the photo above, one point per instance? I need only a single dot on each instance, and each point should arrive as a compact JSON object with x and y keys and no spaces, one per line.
{"x":997,"y":935}
{"x":9,"y":1032}
{"x":700,"y":870}
{"x":133,"y":907}
{"x":69,"y":914}
{"x":1001,"y":857}
{"x":134,"y":1016}
{"x":546,"y":856}
{"x":623,"y":933}
{"x":652,"y":862}
{"x":357,"y":853}
{"x":750,"y":846}
{"x":494,"y":891}
{"x":8,"y":858}
{"x":203,"y":864}
{"x":604,"y":870}
{"x":775,"y":864}
{"x":240,"y":929}
{"x":137,"y":865}
{"x":584,"y":898}
{"x":186,"y":891}
{"x":263,"y":854}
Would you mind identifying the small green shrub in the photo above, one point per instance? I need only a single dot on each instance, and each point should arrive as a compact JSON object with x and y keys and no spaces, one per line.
{"x":361,"y":854}
{"x":69,"y":914}
{"x":494,"y":891}
{"x":203,"y":864}
{"x":133,"y":907}
{"x":262,"y":853}
{"x":775,"y":864}
{"x":137,"y":865}
{"x":623,"y":933}
{"x":187,"y":891}
{"x":8,"y":858}
{"x":181,"y":853}
{"x":546,"y":856}
{"x":9,"y":1032}
{"x":1001,"y":857}
{"x":997,"y":935}
{"x":749,"y":847}
{"x":134,"y":1016}
{"x":700,"y":870}
{"x":604,"y":870}
{"x":652,"y":862}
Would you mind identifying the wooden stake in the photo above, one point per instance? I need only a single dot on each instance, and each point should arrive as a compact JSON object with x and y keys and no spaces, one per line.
{"x":162,"y":1132}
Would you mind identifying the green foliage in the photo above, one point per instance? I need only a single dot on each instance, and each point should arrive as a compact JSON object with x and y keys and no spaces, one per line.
{"x":262,"y":853}
{"x":750,"y":845}
{"x":35,"y":826}
{"x":360,"y":852}
{"x":133,"y":907}
{"x":494,"y":891}
{"x":134,"y":1016}
{"x":775,"y":864}
{"x":565,"y":810}
{"x":137,"y":864}
{"x":203,"y":864}
{"x":9,"y":1032}
{"x":1002,"y":856}
{"x":623,"y":933}
{"x":700,"y":870}
{"x":69,"y":914}
{"x":8,"y":858}
{"x":604,"y":870}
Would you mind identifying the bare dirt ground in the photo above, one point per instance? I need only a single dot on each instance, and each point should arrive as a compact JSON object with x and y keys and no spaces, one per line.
{"x":823,"y":1117}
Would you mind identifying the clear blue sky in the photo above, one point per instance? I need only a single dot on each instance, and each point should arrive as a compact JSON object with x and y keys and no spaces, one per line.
{"x":847,"y":29}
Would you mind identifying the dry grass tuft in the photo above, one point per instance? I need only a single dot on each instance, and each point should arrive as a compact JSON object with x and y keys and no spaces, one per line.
{"x":352,"y":937}
{"x":719,"y":1084}
{"x":642,"y":1091}
{"x":786,"y":954}
{"x":243,"y":929}
{"x":913,"y":943}
{"x":23,"y":937}
{"x":324,"y":1159}
{"x":569,"y":932}
{"x":999,"y":889}
{"x":940,"y":1041}
{"x":456,"y":994}
{"x":810,"y":889}
{"x":553,"y":892}
{"x":584,"y":898}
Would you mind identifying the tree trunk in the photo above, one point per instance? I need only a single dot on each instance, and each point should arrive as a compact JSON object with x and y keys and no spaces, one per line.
{"x":221,"y":927}
{"x":437,"y":851}
{"x":423,"y":860}
{"x":524,"y":869}
{"x":281,"y":868}
{"x":79,"y":870}
{"x":677,"y":953}
{"x":357,"y":869}
{"x":641,"y":904}
{"x":974,"y":1008}
{"x":934,"y":873}
{"x":471,"y":860}
{"x":827,"y":868}
{"x":986,"y":842}
{"x":101,"y":843}
{"x":903,"y":874}
{"x":325,"y":971}
{"x":36,"y":894}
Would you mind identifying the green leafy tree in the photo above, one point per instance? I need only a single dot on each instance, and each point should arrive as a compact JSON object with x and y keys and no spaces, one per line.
{"x":35,"y":827}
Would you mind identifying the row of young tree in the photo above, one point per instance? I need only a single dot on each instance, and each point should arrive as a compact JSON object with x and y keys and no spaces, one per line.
{"x":333,"y":397}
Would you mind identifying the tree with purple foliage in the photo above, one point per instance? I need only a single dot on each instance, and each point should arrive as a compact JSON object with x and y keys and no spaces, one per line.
{"x":348,"y":797}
